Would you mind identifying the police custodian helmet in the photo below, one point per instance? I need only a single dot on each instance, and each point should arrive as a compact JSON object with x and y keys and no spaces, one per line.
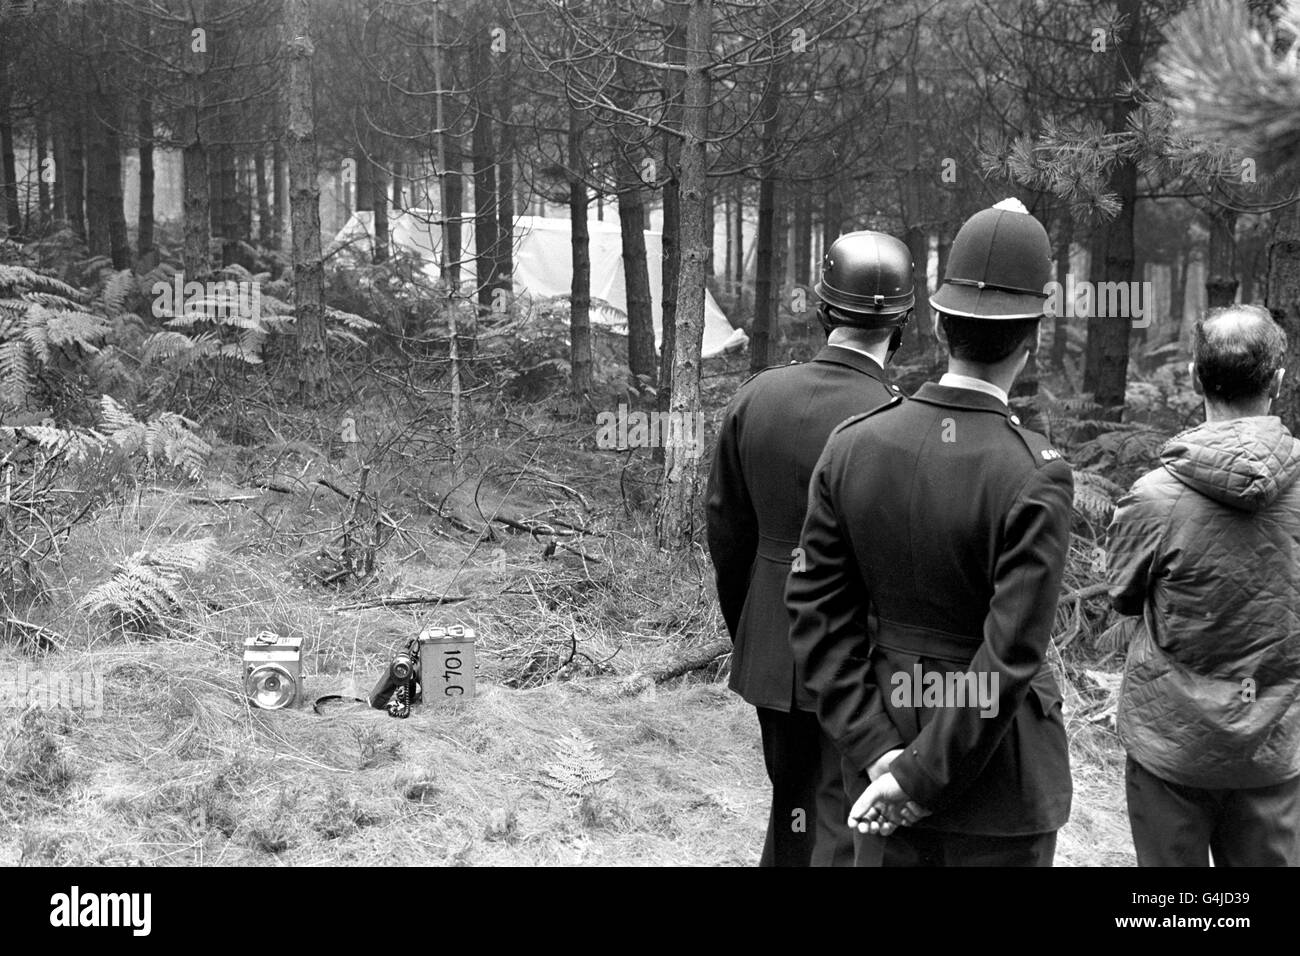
{"x":866,"y":281}
{"x":999,"y":266}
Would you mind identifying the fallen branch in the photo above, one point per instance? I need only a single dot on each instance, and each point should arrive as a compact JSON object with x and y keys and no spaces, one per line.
{"x":580,"y":553}
{"x":694,"y":662}
{"x":1081,"y":594}
{"x":398,"y":600}
{"x":532,"y":527}
{"x":38,"y":637}
{"x":1078,"y":596}
{"x":222,"y":500}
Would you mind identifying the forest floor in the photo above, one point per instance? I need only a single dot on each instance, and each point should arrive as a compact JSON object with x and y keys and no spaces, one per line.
{"x":574,"y":751}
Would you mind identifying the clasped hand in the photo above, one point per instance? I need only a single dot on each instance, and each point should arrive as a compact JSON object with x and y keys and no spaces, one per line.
{"x":884,"y":806}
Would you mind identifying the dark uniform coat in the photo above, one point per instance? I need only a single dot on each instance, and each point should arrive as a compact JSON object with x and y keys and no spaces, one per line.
{"x":773,"y":432}
{"x":936,"y":534}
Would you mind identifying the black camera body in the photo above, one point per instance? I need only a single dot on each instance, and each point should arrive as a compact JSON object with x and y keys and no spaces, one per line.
{"x":399,"y":685}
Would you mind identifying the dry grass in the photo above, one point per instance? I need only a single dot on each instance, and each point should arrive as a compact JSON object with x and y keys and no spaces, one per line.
{"x":179,"y":769}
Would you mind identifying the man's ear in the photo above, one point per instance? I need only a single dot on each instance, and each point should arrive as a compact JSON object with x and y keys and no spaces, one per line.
{"x":938,"y":330}
{"x":1196,"y":379}
{"x":1275,"y":388}
{"x":1033,"y":343}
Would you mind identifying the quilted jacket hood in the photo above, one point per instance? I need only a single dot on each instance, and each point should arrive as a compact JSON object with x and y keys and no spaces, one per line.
{"x":1244,"y":463}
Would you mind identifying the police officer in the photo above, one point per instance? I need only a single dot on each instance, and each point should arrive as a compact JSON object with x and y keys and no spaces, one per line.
{"x":770,"y":438}
{"x":934,"y":545}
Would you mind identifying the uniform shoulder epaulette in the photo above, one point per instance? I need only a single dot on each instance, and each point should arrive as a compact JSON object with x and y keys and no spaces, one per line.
{"x":854,"y":419}
{"x":766,"y":369}
{"x":1039,"y":448}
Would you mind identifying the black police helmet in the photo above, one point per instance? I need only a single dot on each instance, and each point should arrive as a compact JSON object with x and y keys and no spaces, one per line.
{"x":866,"y":281}
{"x":999,"y":266}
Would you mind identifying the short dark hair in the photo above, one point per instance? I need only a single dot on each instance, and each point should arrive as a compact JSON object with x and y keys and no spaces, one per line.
{"x":832,"y":319}
{"x":985,"y":341}
{"x":1237,"y":350}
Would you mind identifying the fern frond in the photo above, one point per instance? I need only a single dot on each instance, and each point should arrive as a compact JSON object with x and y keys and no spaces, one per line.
{"x":17,"y":280}
{"x":145,"y":589}
{"x":1095,"y":495}
{"x":165,"y":345}
{"x":35,"y":333}
{"x":121,"y":426}
{"x":76,"y":445}
{"x":81,"y":328}
{"x":577,"y":768}
{"x":117,"y":289}
{"x":15,"y":371}
{"x":169,"y":437}
{"x":351,"y":320}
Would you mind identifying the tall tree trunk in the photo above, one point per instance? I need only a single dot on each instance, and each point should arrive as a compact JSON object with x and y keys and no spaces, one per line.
{"x":669,"y":275}
{"x":1283,"y":300}
{"x":675,"y":508}
{"x":279,"y":185}
{"x":119,"y":241}
{"x":98,"y":239}
{"x":485,"y":179}
{"x":379,"y":206}
{"x":1178,"y":292}
{"x":505,"y":258}
{"x":265,"y":220}
{"x":59,"y":144}
{"x":780,"y":267}
{"x":710,"y":228}
{"x":42,"y":180}
{"x":1138,"y":337}
{"x":739,"y":275}
{"x":144,"y":218}
{"x":216,"y":197}
{"x":231,"y":226}
{"x":74,"y":179}
{"x":8,"y":165}
{"x":832,"y":216}
{"x":1221,"y":271}
{"x":767,"y":282}
{"x":674,"y":37}
{"x":196,"y":183}
{"x":580,"y":360}
{"x":802,"y":249}
{"x":308,"y":267}
{"x":729,"y":239}
{"x":914,"y":234}
{"x":1061,"y":323}
{"x":1108,"y":336}
{"x":640,"y":316}
{"x":454,"y":190}
{"x":943,"y":248}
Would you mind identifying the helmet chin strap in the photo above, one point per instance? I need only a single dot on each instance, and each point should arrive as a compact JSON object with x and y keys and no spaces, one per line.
{"x":896,"y":340}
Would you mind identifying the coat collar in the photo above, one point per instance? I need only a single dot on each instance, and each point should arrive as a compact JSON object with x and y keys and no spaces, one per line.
{"x":835,"y":355}
{"x":934,"y":394}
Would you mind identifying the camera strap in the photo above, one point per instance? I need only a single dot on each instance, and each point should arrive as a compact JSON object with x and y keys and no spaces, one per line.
{"x":333,"y":697}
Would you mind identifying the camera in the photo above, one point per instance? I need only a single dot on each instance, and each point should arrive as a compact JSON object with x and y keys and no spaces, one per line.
{"x":273,"y":670}
{"x":399,"y":685}
{"x":447,"y":658}
{"x":444,"y":654}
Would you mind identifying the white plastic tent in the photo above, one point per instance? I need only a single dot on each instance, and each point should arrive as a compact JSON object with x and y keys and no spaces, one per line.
{"x":544,"y":266}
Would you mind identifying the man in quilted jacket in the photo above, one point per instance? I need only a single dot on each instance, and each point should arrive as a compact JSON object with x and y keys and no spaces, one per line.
{"x":1206,"y":549}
